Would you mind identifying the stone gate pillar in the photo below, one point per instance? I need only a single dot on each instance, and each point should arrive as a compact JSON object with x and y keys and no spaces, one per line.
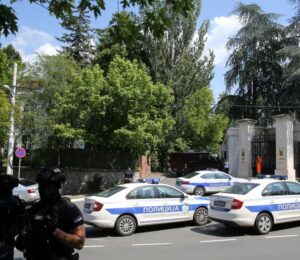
{"x":285,"y":146}
{"x":246,"y":133}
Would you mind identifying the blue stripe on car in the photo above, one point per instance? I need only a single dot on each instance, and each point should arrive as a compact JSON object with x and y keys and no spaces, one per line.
{"x":206,"y":184}
{"x":155,"y":209}
{"x":275,"y":207}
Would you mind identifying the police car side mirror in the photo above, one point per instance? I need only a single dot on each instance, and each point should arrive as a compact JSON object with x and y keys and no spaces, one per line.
{"x":266,"y":193}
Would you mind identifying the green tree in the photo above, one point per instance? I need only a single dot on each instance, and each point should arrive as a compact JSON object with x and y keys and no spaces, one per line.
{"x":8,"y":56}
{"x":290,"y":56}
{"x":139,"y":111}
{"x":64,"y":9}
{"x":202,"y":128}
{"x":123,"y":37}
{"x":78,"y":41}
{"x":42,"y":84}
{"x":5,"y":108}
{"x":123,"y":110}
{"x":255,"y":71}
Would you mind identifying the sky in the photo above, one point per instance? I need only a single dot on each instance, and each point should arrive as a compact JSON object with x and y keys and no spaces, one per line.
{"x":38,"y":30}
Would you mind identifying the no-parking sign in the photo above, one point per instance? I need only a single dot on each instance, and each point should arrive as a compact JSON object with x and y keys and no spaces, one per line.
{"x":20,"y":152}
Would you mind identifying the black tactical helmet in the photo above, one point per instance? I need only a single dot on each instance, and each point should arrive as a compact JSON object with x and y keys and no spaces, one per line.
{"x":7,"y":183}
{"x":51,"y":175}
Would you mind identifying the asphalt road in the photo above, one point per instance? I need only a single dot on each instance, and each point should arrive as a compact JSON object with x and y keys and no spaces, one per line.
{"x":185,"y":241}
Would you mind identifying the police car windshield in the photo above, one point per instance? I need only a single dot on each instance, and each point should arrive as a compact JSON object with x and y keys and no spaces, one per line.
{"x":241,"y":188}
{"x":111,"y":191}
{"x":190,"y":175}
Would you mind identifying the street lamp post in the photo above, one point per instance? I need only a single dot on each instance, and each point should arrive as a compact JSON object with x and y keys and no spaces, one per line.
{"x":11,"y":139}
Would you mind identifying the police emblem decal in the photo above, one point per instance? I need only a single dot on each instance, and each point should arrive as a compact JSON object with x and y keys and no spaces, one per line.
{"x":185,"y":207}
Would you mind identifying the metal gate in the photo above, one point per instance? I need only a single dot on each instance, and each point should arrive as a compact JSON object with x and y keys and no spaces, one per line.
{"x":264,"y":146}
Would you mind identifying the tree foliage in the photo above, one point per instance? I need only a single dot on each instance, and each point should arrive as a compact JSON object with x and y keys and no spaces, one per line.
{"x":290,"y":57}
{"x":123,"y":110}
{"x":64,"y":10}
{"x":43,"y":83}
{"x":78,"y":41}
{"x":123,"y":37}
{"x":8,"y":56}
{"x":202,"y":128}
{"x":254,"y":68}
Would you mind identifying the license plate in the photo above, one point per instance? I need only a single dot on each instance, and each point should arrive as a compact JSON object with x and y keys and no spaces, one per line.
{"x":219,"y":203}
{"x":87,"y":205}
{"x":179,"y":183}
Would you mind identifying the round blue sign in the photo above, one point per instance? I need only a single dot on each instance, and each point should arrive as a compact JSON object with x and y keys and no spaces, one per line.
{"x":20,"y":152}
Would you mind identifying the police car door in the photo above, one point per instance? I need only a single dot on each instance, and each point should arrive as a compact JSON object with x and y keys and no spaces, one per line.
{"x":209,"y":182}
{"x":145,"y":204}
{"x":294,"y":191}
{"x":223,"y":180}
{"x":175,"y":205}
{"x":277,"y":199}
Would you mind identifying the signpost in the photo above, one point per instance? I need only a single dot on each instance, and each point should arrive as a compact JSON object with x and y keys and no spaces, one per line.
{"x":20,"y":153}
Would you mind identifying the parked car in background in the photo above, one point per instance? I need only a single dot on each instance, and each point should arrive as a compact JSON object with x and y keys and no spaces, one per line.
{"x":182,"y":163}
{"x":27,"y":191}
{"x":127,"y":206}
{"x":258,"y":203}
{"x":207,"y":181}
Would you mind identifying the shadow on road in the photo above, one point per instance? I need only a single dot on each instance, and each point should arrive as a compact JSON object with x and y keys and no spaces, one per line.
{"x":93,"y":232}
{"x":220,"y":230}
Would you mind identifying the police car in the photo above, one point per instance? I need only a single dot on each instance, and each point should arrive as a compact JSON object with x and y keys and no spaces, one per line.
{"x":258,"y":203}
{"x":127,"y":206}
{"x":206,"y":181}
{"x":27,"y":191}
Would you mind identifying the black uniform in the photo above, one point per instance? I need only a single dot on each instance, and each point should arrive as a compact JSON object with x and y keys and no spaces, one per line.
{"x":52,"y":211}
{"x":128,"y":175}
{"x":41,"y":244}
{"x":11,"y":214}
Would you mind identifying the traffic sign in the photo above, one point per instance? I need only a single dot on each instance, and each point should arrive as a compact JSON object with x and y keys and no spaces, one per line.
{"x":20,"y":152}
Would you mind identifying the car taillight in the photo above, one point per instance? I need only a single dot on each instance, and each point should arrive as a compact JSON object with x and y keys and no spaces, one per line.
{"x":97,"y":206}
{"x":30,"y":191}
{"x":236,"y":204}
{"x":186,"y":182}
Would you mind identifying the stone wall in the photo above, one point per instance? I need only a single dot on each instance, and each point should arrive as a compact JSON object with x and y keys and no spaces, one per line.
{"x":80,"y":181}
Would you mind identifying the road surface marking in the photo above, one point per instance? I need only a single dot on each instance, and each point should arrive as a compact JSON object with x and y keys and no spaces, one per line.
{"x":282,"y":236}
{"x":218,"y":240}
{"x":93,"y":246}
{"x":153,"y":244}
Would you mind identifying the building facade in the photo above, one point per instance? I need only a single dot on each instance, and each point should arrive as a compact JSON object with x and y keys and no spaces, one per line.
{"x":278,"y":146}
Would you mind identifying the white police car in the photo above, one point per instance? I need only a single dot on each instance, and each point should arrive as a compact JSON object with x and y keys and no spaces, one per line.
{"x":206,"y":181}
{"x":127,"y":206}
{"x":258,"y":204}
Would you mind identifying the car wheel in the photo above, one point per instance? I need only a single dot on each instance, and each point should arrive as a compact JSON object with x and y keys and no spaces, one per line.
{"x":200,"y":216}
{"x":263,"y":223}
{"x":125,"y":225}
{"x":200,"y":191}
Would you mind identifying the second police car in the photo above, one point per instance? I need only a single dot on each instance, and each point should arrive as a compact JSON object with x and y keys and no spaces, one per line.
{"x":127,"y":206}
{"x":258,"y":203}
{"x":206,"y":181}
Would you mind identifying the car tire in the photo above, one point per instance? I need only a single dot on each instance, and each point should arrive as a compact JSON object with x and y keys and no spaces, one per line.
{"x":200,"y":217}
{"x":263,"y":224}
{"x":125,"y":225}
{"x":199,"y":191}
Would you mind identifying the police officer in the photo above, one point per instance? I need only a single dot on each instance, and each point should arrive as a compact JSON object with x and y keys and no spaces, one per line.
{"x":128,"y":175}
{"x":12,"y":212}
{"x":55,"y":225}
